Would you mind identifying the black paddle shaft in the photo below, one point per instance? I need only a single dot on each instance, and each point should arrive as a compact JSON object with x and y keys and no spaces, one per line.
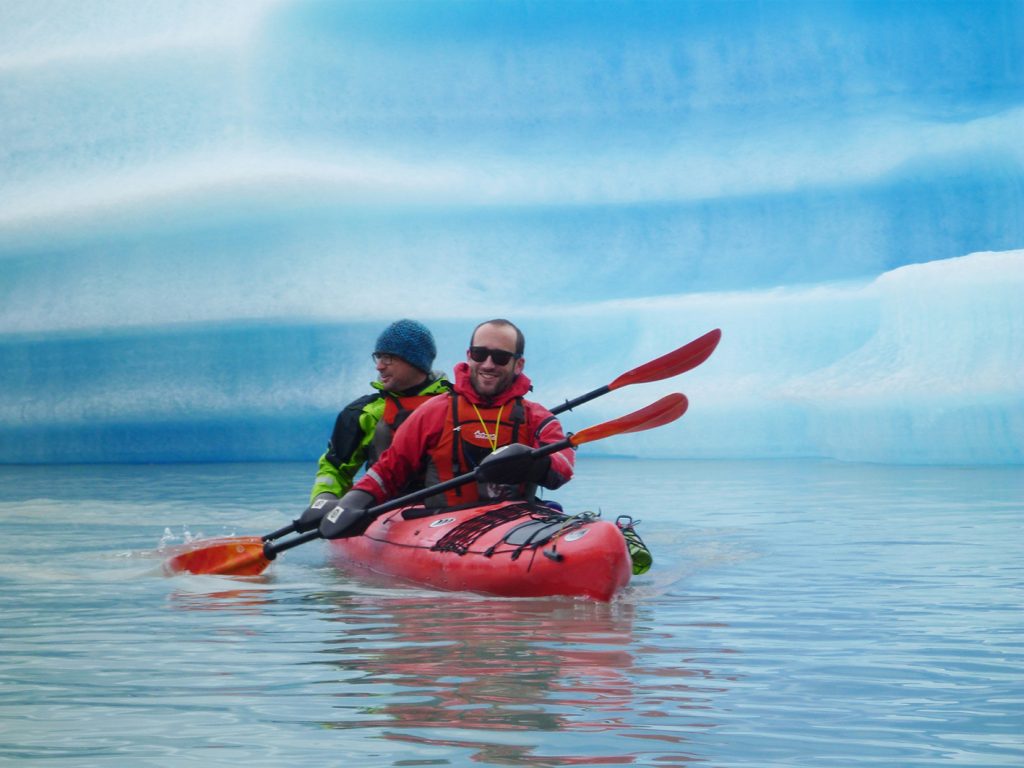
{"x":271,"y":549}
{"x":568,"y":405}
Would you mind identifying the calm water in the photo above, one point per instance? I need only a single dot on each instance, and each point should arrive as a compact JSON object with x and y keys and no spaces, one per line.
{"x":798,"y":614}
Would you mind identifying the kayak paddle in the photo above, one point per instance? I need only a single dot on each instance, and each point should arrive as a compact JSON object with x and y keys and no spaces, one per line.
{"x":249,"y":556}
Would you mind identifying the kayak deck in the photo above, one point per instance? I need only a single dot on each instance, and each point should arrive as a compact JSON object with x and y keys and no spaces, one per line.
{"x":511,"y":549}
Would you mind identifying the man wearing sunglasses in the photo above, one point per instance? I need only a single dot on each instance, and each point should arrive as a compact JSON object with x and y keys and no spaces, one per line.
{"x":404,"y":354}
{"x":449,"y":436}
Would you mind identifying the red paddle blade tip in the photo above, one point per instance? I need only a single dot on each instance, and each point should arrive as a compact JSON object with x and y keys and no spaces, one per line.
{"x":657,"y":414}
{"x":664,"y":411}
{"x":228,"y":557}
{"x":686,"y":358}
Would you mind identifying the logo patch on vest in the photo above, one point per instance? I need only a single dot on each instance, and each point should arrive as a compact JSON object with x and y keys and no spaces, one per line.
{"x":442,"y":521}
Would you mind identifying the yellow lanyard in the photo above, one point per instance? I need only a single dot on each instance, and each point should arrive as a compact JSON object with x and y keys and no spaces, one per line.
{"x":497,"y":422}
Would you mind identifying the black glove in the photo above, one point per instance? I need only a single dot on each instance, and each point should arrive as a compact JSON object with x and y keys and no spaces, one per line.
{"x":348,"y":517}
{"x":315,"y":512}
{"x":513,"y":464}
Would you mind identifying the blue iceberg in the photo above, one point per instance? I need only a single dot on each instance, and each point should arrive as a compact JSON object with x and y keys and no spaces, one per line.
{"x":208,"y":211}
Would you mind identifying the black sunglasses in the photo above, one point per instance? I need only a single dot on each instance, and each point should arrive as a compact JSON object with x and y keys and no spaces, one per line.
{"x":499,"y":356}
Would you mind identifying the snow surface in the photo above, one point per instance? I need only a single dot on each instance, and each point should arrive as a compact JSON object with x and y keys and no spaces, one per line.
{"x":208,"y":211}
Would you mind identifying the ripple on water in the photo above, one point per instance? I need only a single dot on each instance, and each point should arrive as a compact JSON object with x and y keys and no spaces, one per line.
{"x":792,"y":619}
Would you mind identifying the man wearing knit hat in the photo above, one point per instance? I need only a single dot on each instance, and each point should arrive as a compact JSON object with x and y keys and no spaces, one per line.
{"x":404,"y":354}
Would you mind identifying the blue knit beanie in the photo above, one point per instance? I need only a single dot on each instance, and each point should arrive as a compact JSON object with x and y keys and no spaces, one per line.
{"x":409,"y":340}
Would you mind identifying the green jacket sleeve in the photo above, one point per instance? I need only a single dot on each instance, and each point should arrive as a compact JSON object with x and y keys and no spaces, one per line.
{"x":347,"y":449}
{"x":353,"y":434}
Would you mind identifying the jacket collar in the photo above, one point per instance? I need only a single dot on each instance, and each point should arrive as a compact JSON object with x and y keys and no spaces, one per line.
{"x":435,"y":382}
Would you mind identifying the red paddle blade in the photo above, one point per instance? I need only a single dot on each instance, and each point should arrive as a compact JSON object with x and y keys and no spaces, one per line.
{"x":239,"y":556}
{"x":685,"y":358}
{"x":666,"y":410}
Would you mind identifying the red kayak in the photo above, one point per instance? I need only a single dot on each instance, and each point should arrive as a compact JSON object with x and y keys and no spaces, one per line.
{"x":510,"y":548}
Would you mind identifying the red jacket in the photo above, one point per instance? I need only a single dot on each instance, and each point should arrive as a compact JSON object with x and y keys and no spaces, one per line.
{"x":415,"y":448}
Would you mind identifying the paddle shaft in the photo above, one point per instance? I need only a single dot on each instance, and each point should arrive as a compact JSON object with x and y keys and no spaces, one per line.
{"x":270,"y":549}
{"x":568,"y":405}
{"x":401,"y":501}
{"x":412,"y":498}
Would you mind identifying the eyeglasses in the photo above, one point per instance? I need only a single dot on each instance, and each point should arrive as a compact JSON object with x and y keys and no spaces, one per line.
{"x":499,"y":356}
{"x":384,"y":358}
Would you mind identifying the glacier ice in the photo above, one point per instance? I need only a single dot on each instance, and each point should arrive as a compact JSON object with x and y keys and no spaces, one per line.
{"x":202,"y":205}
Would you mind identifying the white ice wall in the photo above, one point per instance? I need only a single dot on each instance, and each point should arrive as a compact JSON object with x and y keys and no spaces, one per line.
{"x":208,"y":210}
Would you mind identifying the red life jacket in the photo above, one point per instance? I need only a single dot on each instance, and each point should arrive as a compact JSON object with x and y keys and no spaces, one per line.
{"x":396,"y":410}
{"x":469,"y":435}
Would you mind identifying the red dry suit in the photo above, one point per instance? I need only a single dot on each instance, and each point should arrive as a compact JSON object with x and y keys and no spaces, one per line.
{"x":450,"y":435}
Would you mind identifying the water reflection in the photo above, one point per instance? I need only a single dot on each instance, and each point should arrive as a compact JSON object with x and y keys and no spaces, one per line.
{"x":240,"y":600}
{"x":503,"y":679}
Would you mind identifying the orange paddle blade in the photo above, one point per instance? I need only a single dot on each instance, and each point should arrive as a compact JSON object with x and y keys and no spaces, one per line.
{"x":678,"y":361}
{"x":667,"y":409}
{"x":238,"y":556}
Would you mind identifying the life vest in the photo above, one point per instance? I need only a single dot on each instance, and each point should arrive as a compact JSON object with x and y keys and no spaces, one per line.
{"x":396,"y":411}
{"x":471,"y":433}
